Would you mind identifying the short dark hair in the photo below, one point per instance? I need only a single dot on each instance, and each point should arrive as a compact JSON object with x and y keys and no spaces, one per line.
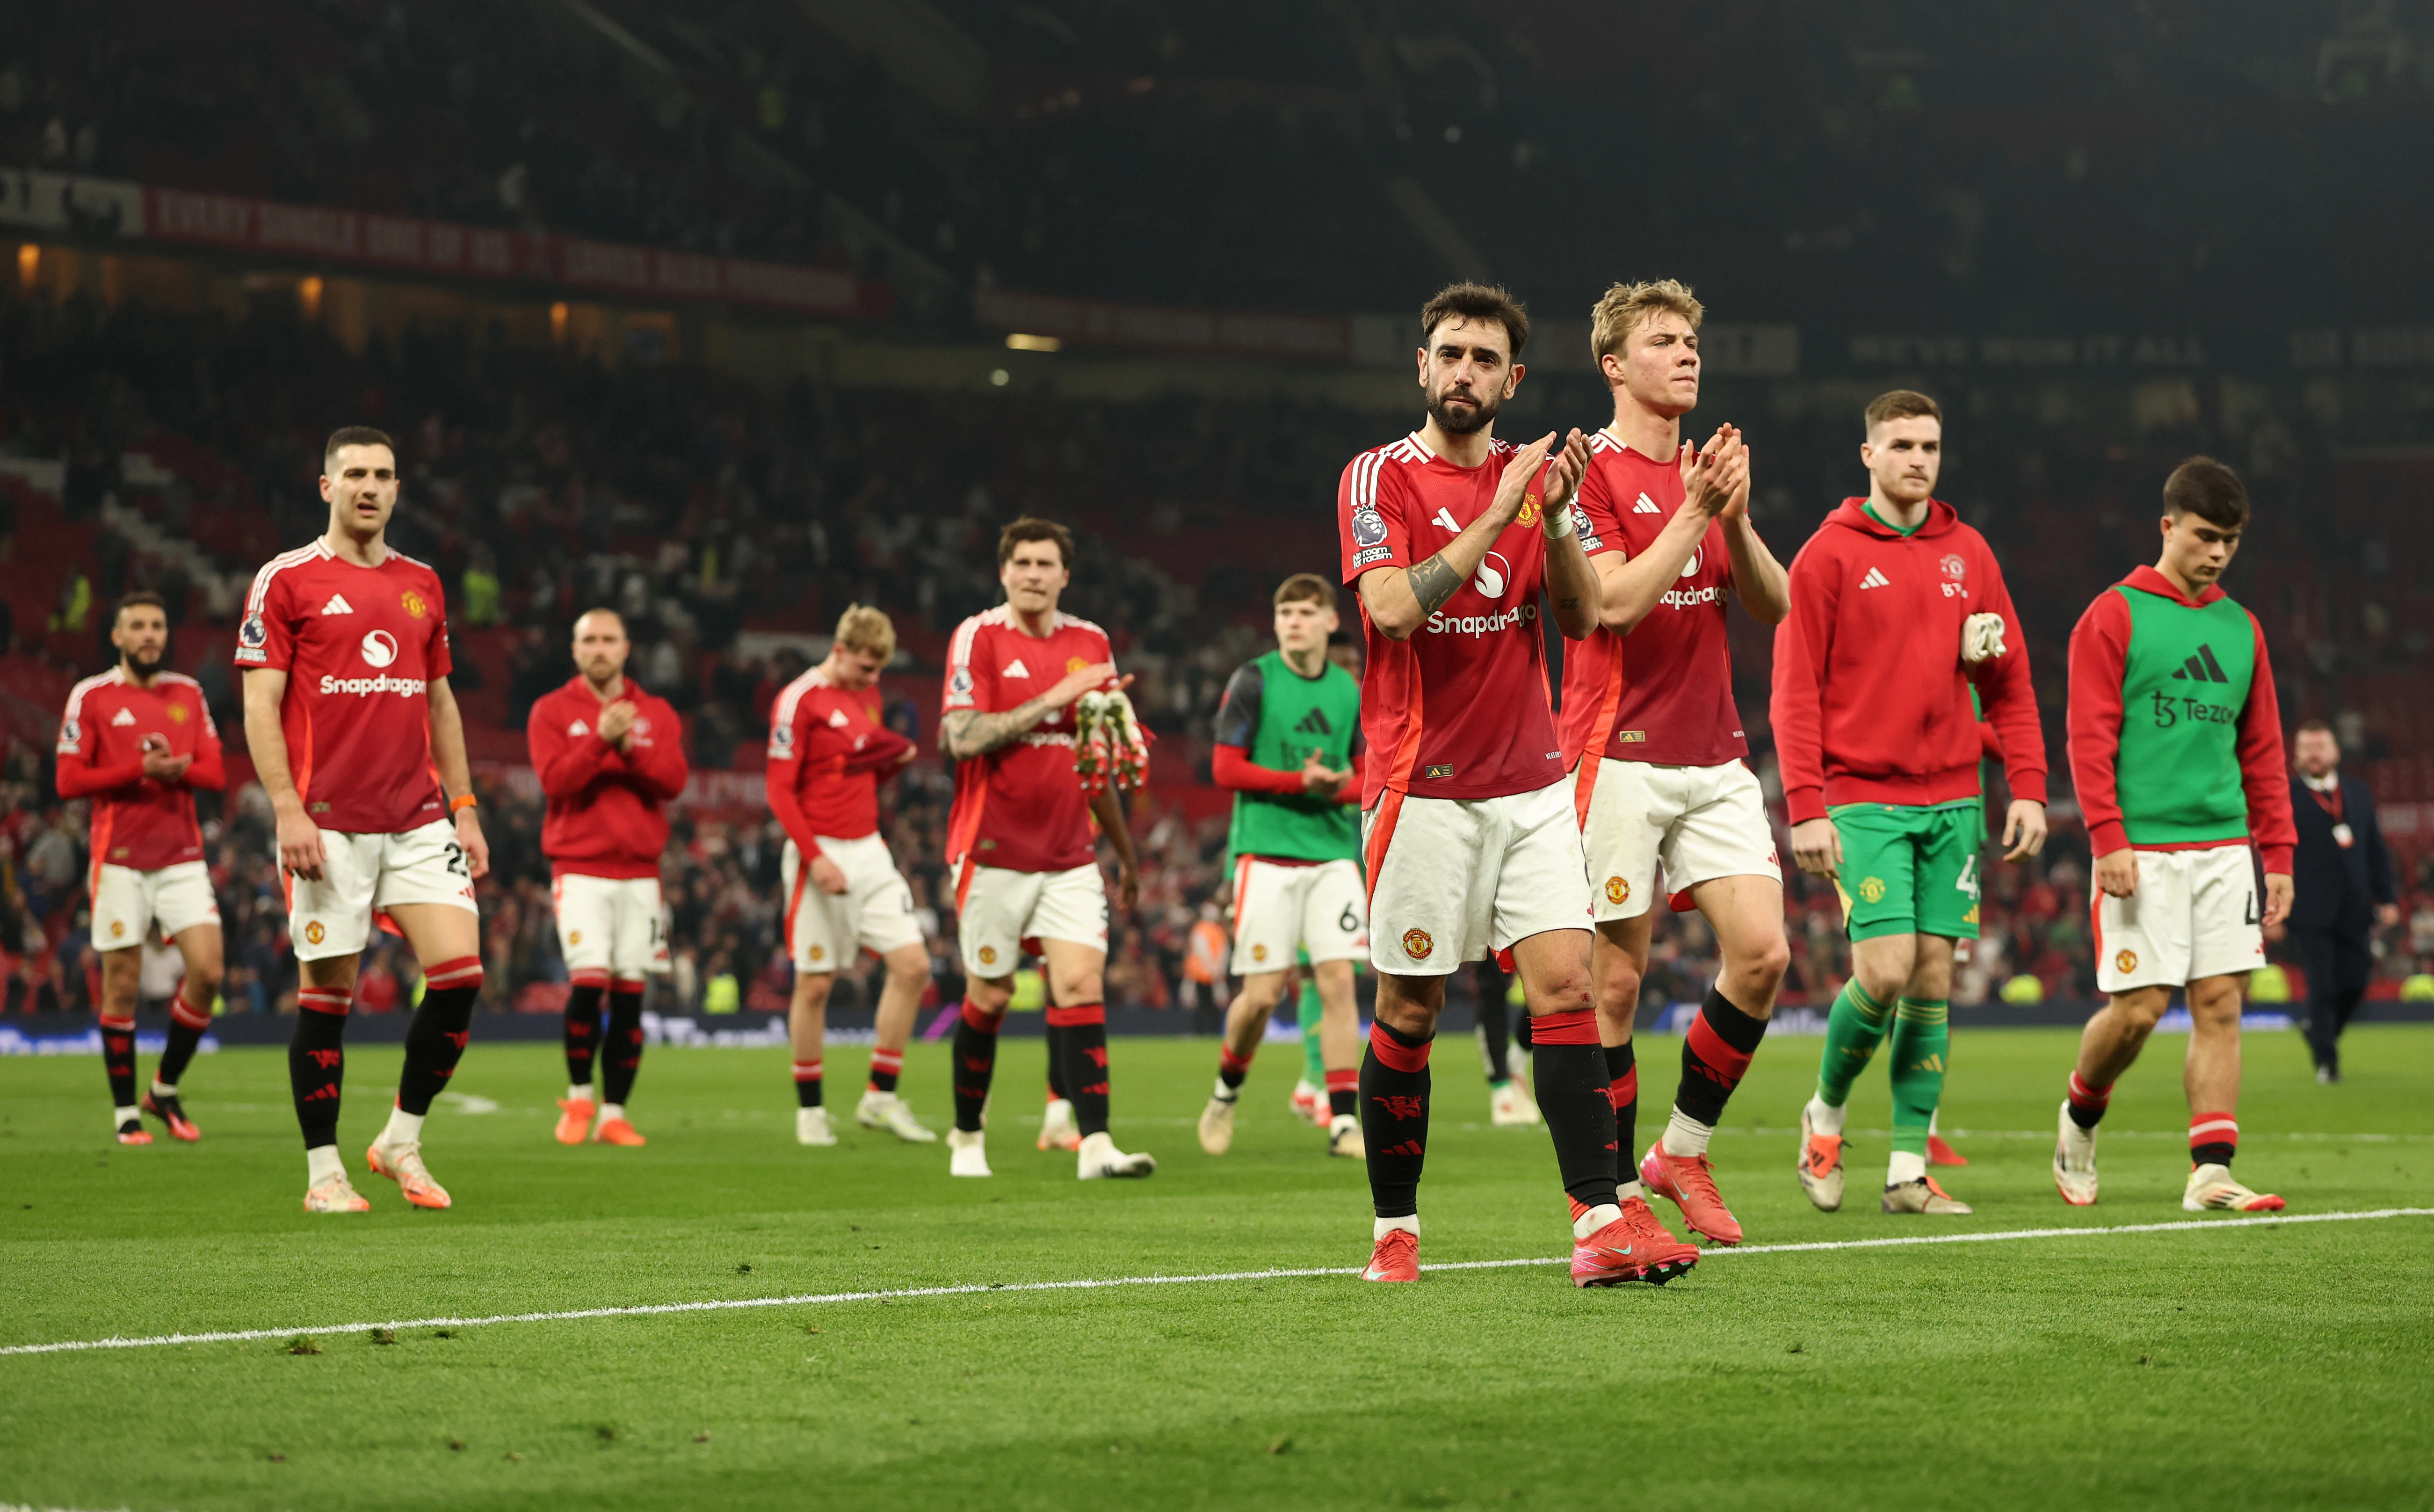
{"x":2317,"y":725}
{"x":1306,"y":588}
{"x":1031,"y":527}
{"x":2206,"y":488}
{"x":354,"y":436}
{"x":1902,"y":404}
{"x":1477,"y":301}
{"x":141,"y":598}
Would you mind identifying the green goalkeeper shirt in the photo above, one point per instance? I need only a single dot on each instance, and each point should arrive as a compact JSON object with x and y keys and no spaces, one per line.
{"x":1279,"y":718}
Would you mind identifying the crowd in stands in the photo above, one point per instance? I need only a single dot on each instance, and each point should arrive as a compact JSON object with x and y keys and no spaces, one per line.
{"x":141,"y":449}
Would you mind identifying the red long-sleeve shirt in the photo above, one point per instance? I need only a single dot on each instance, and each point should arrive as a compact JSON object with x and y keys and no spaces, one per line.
{"x":138,"y":821}
{"x":828,"y":752}
{"x":607,"y":808}
{"x":2098,"y":651}
{"x":1231,"y":767}
{"x":1871,"y":697}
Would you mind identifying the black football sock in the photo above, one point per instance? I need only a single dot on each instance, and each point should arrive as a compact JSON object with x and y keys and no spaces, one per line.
{"x":582,"y":1030}
{"x":975,"y":1053}
{"x":886,"y":1067}
{"x":435,"y":1040}
{"x":1622,"y":1090}
{"x":1714,"y":1056}
{"x":1231,"y":1069}
{"x":187,"y":1021}
{"x":1495,"y":1031}
{"x":808,"y":1079}
{"x":1085,"y":1027}
{"x":1394,"y":1118}
{"x":1572,"y":1092}
{"x":625,"y":1043}
{"x":317,"y":1062}
{"x":118,"y":1060}
{"x":1058,"y":1087}
{"x":1526,"y":1036}
{"x":1343,"y":1093}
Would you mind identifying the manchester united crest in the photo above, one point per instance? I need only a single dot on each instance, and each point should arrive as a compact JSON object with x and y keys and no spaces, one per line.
{"x":416,"y":607}
{"x":2125,"y":961}
{"x":315,"y":933}
{"x":1420,"y":944}
{"x":1617,"y":892}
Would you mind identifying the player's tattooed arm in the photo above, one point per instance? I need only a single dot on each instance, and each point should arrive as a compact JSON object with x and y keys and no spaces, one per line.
{"x":1433,"y":582}
{"x":969,"y":733}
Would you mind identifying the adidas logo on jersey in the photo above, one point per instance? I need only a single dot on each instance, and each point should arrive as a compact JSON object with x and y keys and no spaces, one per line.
{"x":1876,"y":579}
{"x":1445,"y":518}
{"x":2202,"y":668}
{"x":578,"y":730}
{"x":1015,"y":669}
{"x":337,"y":605}
{"x":1313,"y":723}
{"x":1646,"y":506}
{"x":124,"y":716}
{"x":837,"y":719}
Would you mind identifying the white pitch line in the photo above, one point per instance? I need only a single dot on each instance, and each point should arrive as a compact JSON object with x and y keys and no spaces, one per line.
{"x":824,"y":1299}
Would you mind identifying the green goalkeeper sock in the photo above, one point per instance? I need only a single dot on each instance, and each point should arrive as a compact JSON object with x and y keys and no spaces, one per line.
{"x":1313,"y":1067}
{"x":1853,"y":1028}
{"x":1922,"y":1041}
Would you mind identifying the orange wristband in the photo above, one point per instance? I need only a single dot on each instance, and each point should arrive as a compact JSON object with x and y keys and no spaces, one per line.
{"x":460,"y":802}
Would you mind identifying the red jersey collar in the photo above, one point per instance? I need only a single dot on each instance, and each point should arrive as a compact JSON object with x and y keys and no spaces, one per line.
{"x":2148,"y":580}
{"x":1853,"y":513}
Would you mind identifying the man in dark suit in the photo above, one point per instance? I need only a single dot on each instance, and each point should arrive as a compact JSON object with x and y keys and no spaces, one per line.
{"x":2343,"y":881}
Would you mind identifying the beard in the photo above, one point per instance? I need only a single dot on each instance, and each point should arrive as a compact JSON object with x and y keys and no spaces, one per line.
{"x":144,"y":666}
{"x":1463,"y":422}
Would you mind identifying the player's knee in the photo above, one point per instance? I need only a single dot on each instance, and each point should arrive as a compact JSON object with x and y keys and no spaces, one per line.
{"x":1077,"y":990}
{"x":1766,"y":965}
{"x":1618,"y":992}
{"x":203,"y":982}
{"x":1562,"y":991}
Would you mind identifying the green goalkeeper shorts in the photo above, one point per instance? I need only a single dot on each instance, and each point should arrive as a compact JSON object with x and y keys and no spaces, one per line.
{"x":1910,"y":870}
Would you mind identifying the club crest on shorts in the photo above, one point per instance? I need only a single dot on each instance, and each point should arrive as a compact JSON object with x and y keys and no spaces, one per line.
{"x":117,"y":928}
{"x":574,"y":936}
{"x":2125,"y":961}
{"x":821,"y":952}
{"x":1617,"y":890}
{"x":1420,"y":944}
{"x":1873,"y":889}
{"x":314,"y":933}
{"x":1259,"y":952}
{"x":989,"y":955}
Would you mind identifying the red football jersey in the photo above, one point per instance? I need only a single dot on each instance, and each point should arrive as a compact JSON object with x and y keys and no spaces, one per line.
{"x":608,"y":814}
{"x":137,"y":821}
{"x":1459,"y":710}
{"x":1020,"y":806}
{"x":828,"y":753}
{"x":360,"y":646}
{"x":1664,"y":693}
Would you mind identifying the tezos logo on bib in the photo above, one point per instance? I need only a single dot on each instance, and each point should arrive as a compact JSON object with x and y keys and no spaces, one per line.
{"x":380,"y":648}
{"x":1494,"y":573}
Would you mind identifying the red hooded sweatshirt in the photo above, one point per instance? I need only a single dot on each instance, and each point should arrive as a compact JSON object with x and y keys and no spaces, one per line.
{"x":1870,"y":698}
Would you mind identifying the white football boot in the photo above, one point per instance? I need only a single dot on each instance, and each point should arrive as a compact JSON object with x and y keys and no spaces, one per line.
{"x":334,"y":1195}
{"x":1821,"y":1165}
{"x":1508,"y":1106}
{"x":2211,"y":1187}
{"x":2075,"y":1161}
{"x":1217,"y":1125}
{"x":968,"y":1153}
{"x":1057,"y":1130}
{"x":811,"y":1126}
{"x":889,"y":1111}
{"x":1343,"y":1137}
{"x":1100,"y":1158}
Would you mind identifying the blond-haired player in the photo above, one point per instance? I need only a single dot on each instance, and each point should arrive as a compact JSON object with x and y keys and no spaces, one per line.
{"x":829,"y":750}
{"x":1658,"y":783}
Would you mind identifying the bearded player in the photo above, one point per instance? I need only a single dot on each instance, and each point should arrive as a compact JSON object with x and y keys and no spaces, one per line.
{"x":1287,"y":744}
{"x":610,"y":756}
{"x":1658,"y":781}
{"x":139,"y":742}
{"x":355,"y":737}
{"x":2176,"y":747}
{"x":1449,"y":534}
{"x":1898,"y":613}
{"x":1020,"y":836}
{"x":829,"y":751}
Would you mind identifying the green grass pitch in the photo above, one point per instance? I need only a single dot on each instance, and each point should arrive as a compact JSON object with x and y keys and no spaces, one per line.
{"x":2281,"y":1365}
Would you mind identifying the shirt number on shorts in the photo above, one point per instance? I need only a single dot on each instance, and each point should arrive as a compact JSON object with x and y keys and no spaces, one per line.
{"x":456,"y":861}
{"x":2248,"y":915}
{"x":1348,"y":923}
{"x":1969,"y":882}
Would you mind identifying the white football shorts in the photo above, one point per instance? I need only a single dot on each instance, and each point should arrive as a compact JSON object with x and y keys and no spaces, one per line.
{"x":610,"y":928}
{"x":996,"y":910}
{"x":825,"y":931}
{"x":1282,"y":906}
{"x":1453,"y":879}
{"x":2196,"y":914}
{"x":367,"y":874}
{"x":125,"y":902}
{"x":1697,"y":822}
